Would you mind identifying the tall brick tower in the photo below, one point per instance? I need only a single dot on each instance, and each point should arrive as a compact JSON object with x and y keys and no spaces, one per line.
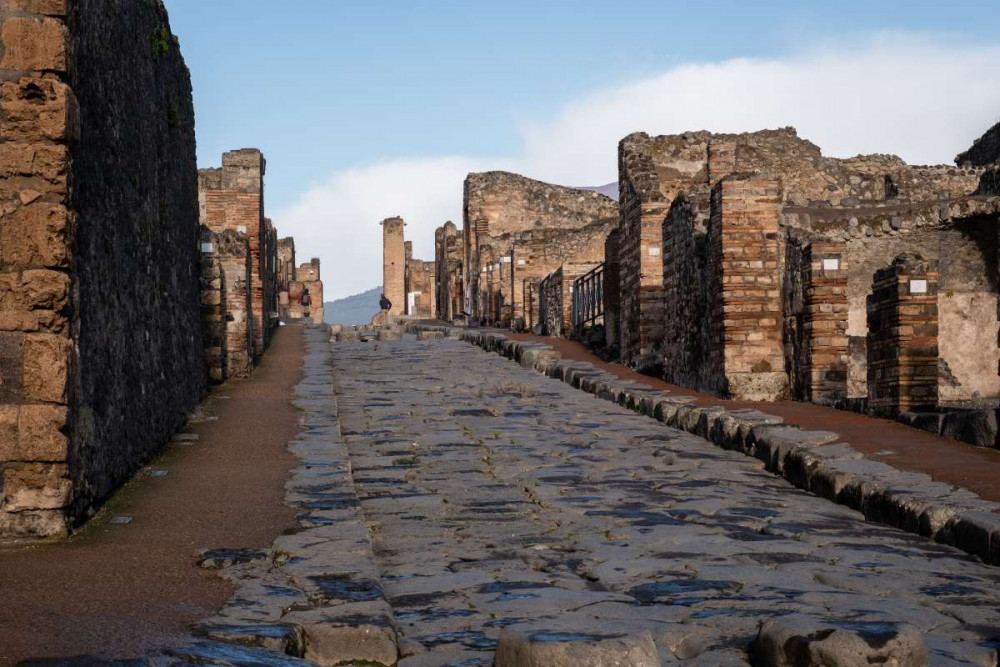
{"x":394,"y":264}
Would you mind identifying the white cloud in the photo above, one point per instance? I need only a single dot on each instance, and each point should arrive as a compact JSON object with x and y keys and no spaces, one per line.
{"x":917,"y":97}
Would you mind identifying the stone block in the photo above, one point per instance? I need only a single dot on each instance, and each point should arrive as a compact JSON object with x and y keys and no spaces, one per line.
{"x":8,"y":432}
{"x":430,"y":335}
{"x":35,"y":487}
{"x":47,"y":362}
{"x":37,"y":236}
{"x":535,"y":646}
{"x":38,"y":109}
{"x":41,"y":434}
{"x":38,"y":44}
{"x":348,"y":336}
{"x":48,"y":162}
{"x":350,"y":634}
{"x":798,"y":640}
{"x":34,"y":523}
{"x":389,"y":334}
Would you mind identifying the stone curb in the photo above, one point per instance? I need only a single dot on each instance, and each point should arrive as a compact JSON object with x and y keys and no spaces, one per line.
{"x":317,"y":594}
{"x":815,"y":461}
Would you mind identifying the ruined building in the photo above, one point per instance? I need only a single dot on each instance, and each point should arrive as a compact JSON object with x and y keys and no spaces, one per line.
{"x":752,"y":266}
{"x":226,"y":272}
{"x":307,"y":280}
{"x":448,"y":254}
{"x":516,"y":232}
{"x":421,"y":281}
{"x":232,"y":199}
{"x":286,"y":273}
{"x":101,"y":355}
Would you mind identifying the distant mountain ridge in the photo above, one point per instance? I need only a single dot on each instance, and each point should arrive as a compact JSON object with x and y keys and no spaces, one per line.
{"x":610,"y":190}
{"x":356,"y":309}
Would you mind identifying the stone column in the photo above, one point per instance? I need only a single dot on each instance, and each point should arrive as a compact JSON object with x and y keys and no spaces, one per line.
{"x":394,"y":264}
{"x":746,"y":354}
{"x":825,"y":323}
{"x":903,"y":337}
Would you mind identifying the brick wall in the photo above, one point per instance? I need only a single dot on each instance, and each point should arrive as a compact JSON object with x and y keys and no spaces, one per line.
{"x":231,"y":198}
{"x":101,"y":354}
{"x":903,"y":337}
{"x":746,"y":355}
{"x":824,"y":280}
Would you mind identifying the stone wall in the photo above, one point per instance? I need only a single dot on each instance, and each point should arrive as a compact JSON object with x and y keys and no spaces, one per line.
{"x":226,"y":272}
{"x":101,"y":354}
{"x":394,"y":264}
{"x":862,"y":211}
{"x":984,"y":152}
{"x":612,"y":291}
{"x":538,"y":226}
{"x":286,"y":273}
{"x":232,"y":198}
{"x":448,"y":272}
{"x":422,"y":286}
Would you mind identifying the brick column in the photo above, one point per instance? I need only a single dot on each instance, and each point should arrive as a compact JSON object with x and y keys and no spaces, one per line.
{"x":824,"y":280}
{"x":394,"y":264}
{"x":746,"y":355}
{"x":903,"y":337}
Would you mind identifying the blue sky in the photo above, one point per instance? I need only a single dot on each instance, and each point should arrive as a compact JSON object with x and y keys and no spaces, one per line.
{"x":366,"y":95}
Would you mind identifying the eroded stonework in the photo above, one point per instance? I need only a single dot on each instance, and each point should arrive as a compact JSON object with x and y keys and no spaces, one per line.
{"x":101,"y":354}
{"x":517,"y":231}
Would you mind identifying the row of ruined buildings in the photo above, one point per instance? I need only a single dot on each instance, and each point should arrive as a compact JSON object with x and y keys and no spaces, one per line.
{"x":119,"y":301}
{"x":249,"y":279}
{"x":753,"y":267}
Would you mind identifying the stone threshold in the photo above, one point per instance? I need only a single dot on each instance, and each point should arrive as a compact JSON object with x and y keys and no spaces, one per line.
{"x":816,"y":461}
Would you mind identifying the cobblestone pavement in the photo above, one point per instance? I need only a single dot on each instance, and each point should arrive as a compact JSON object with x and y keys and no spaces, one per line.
{"x":456,"y":509}
{"x":497,"y":498}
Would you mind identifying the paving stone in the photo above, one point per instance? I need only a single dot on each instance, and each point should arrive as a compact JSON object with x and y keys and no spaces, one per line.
{"x":453,"y":502}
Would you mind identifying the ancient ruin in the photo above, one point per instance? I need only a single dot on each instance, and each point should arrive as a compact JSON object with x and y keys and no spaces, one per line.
{"x":232,"y":199}
{"x":517,"y":231}
{"x":307,"y":282}
{"x":394,"y":264}
{"x":101,"y":355}
{"x":448,"y":267}
{"x":750,"y":267}
{"x":286,"y":273}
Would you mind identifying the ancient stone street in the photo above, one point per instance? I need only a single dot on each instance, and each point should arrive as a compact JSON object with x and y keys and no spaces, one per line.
{"x":505,"y":506}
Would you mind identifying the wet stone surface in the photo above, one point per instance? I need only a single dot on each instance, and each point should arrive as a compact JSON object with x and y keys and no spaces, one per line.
{"x":501,"y":501}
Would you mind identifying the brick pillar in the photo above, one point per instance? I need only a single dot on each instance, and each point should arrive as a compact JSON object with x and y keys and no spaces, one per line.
{"x":824,"y":281}
{"x":746,"y":354}
{"x":903,"y":337}
{"x":394,"y":264}
{"x":721,"y":160}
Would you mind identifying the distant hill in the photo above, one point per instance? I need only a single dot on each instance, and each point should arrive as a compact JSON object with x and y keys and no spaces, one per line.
{"x":610,"y":190}
{"x":357,"y":309}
